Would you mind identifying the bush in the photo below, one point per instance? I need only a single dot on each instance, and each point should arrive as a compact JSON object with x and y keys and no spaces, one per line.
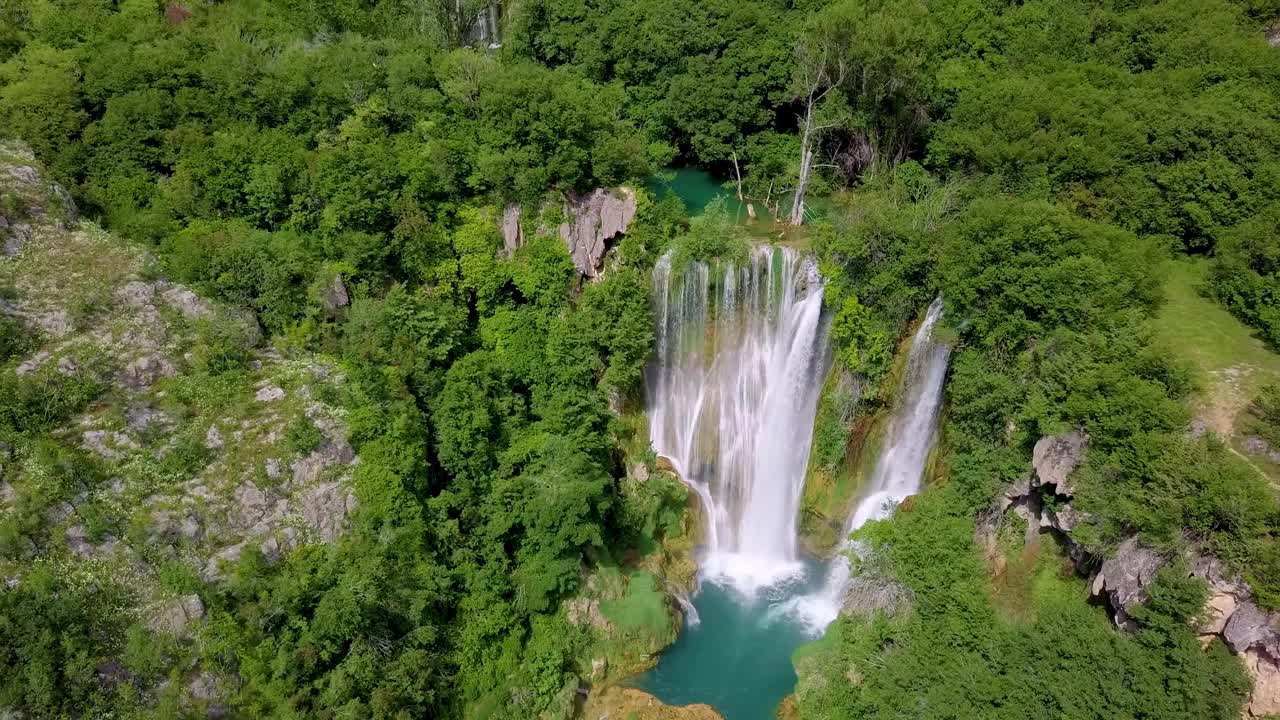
{"x":302,"y":436}
{"x":35,"y":403}
{"x":15,"y":339}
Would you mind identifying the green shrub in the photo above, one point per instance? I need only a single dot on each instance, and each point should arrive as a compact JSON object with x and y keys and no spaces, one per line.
{"x":15,"y":339}
{"x":39,"y":401}
{"x":302,"y":436}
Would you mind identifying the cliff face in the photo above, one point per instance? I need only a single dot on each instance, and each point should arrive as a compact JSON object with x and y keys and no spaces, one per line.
{"x":1122,"y":579}
{"x":189,"y":445}
{"x":592,"y":223}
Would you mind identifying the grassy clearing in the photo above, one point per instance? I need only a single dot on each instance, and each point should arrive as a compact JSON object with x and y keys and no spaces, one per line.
{"x":1231,"y":362}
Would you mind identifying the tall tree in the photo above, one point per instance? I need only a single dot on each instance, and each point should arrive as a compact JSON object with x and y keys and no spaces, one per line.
{"x":821,"y":67}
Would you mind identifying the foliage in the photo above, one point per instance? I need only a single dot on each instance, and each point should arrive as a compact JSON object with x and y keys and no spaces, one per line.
{"x":302,"y":436}
{"x":1244,"y":272}
{"x":876,"y":250}
{"x":1264,"y":415}
{"x":706,"y":75}
{"x":1031,"y":162}
{"x":38,"y":402}
{"x":56,"y":631}
{"x":952,"y":656}
{"x":713,"y":235}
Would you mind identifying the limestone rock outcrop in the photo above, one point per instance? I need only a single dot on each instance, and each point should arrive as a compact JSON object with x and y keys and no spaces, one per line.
{"x":177,"y":462}
{"x":592,"y":222}
{"x":1055,"y":457}
{"x":334,"y":295}
{"x":512,"y":235}
{"x":616,"y":703}
{"x":1043,"y":498}
{"x":1232,"y":614}
{"x":176,"y":616}
{"x":1125,"y":577}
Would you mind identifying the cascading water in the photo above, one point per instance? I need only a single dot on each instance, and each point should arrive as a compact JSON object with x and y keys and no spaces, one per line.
{"x":898,"y":472}
{"x":732,"y":395}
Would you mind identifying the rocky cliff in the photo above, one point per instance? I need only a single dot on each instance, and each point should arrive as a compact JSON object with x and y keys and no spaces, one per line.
{"x":591,"y":224}
{"x":1122,"y":578}
{"x":189,"y":445}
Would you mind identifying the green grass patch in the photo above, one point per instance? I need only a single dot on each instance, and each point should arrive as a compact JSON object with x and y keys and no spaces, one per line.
{"x":643,"y":607}
{"x":1206,"y":335}
{"x":1230,"y":361}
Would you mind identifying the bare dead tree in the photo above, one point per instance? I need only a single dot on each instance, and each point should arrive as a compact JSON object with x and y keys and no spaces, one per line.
{"x":820,"y":69}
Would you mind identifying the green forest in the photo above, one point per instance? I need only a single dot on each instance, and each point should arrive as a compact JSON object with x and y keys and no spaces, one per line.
{"x":1041,"y":165}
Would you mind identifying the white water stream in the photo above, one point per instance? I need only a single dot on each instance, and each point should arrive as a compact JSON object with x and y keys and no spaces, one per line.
{"x":900,"y":469}
{"x":741,"y":357}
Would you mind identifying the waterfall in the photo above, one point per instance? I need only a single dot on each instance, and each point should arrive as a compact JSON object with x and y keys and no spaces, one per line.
{"x":741,"y":352}
{"x":900,"y":468}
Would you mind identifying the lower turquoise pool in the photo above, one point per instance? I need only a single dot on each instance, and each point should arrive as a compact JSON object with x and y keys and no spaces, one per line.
{"x":737,"y":657}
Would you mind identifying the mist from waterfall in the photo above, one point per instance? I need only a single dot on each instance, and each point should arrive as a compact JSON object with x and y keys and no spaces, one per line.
{"x":741,"y":356}
{"x":900,"y":469}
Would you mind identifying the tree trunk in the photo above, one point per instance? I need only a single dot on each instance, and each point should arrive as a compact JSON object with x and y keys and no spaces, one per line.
{"x":806,"y":165}
{"x":738,"y":173}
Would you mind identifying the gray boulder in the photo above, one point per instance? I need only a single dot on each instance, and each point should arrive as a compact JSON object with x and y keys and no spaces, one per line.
{"x":141,"y":373}
{"x":334,"y":297}
{"x":1125,"y":578}
{"x":187,"y":302}
{"x":1055,"y":457}
{"x":15,"y":234}
{"x":140,"y":418}
{"x":1251,"y":627}
{"x":108,"y":443}
{"x":79,"y":544}
{"x":269,"y":393}
{"x":227,"y":556}
{"x":176,"y":616}
{"x":309,"y":469}
{"x":325,"y":508}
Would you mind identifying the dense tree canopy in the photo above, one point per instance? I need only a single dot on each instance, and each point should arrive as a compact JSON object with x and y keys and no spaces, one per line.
{"x":1035,"y":163}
